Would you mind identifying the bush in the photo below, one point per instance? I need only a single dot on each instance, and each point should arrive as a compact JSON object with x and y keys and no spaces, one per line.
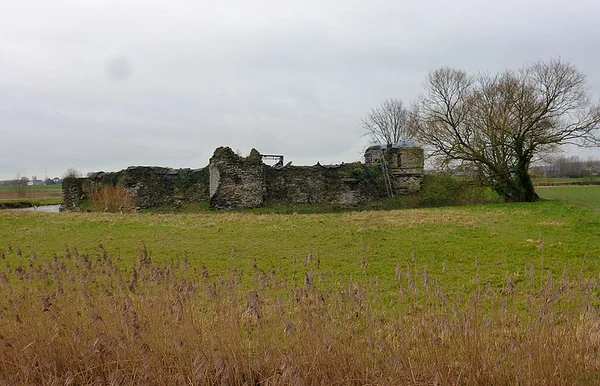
{"x":445,"y":190}
{"x":110,"y":198}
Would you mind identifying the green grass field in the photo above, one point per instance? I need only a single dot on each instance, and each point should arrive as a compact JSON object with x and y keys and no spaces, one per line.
{"x":28,"y":187}
{"x":587,"y":196}
{"x":560,"y":181}
{"x":490,"y":239}
{"x":452,"y":243}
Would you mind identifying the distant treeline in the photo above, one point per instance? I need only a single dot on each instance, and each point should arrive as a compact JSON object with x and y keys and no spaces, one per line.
{"x":20,"y":181}
{"x":568,"y":167}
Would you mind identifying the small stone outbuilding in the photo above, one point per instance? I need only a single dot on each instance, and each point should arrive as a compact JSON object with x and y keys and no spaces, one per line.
{"x":403,"y":161}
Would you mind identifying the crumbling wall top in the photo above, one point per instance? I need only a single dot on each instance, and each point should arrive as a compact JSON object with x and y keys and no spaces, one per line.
{"x":226,"y":153}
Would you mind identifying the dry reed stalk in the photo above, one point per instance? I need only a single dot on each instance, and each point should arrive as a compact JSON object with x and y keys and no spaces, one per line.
{"x":111,"y":198}
{"x":163,"y":324}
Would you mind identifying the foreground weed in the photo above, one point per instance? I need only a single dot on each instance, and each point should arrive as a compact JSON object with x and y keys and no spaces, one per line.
{"x":90,"y":319}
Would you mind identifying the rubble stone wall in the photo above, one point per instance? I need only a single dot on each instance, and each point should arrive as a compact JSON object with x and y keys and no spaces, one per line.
{"x":148,"y":186}
{"x":74,"y":192}
{"x":347,"y":184}
{"x":233,"y":181}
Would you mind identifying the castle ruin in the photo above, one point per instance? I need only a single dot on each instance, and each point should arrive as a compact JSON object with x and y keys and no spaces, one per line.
{"x":233,"y":181}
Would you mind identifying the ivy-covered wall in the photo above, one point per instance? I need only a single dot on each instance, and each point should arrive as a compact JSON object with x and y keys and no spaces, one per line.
{"x":74,"y":192}
{"x":149,"y":186}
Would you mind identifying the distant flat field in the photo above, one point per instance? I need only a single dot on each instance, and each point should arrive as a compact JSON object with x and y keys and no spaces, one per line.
{"x":12,"y":192}
{"x":588,"y":196}
{"x":566,"y":180}
{"x":27,"y":187}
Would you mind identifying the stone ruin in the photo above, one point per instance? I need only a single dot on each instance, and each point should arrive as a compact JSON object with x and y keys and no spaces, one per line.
{"x":404,"y":162}
{"x":233,"y":181}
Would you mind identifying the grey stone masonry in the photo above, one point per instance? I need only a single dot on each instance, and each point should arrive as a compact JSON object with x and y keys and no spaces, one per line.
{"x":233,"y":181}
{"x":404,"y":162}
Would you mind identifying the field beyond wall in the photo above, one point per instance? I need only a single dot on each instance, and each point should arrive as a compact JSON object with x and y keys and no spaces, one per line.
{"x":491,"y":294}
{"x":23,"y":196}
{"x":587,"y":196}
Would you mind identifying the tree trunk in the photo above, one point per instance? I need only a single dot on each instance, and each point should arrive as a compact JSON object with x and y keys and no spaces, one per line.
{"x":523,"y":181}
{"x":528,"y":193}
{"x":517,"y":187}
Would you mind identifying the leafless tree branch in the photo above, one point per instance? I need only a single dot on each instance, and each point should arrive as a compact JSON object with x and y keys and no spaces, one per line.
{"x":387,"y":123}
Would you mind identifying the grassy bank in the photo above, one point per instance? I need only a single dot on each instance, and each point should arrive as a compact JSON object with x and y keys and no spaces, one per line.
{"x":558,"y":181}
{"x":13,"y":197}
{"x":28,"y":196}
{"x":29,"y":203}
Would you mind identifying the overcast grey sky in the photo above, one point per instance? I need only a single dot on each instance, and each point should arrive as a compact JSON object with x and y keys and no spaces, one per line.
{"x":105,"y":84}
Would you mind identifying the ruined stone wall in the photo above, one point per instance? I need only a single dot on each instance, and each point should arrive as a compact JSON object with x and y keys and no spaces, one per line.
{"x":74,"y":192}
{"x":148,"y":186}
{"x":232,"y":181}
{"x":407,"y":184}
{"x":346,"y":184}
{"x":411,"y":160}
{"x":405,"y":165}
{"x":235,"y":181}
{"x":407,"y":170}
{"x":400,"y":160}
{"x":156,"y":186}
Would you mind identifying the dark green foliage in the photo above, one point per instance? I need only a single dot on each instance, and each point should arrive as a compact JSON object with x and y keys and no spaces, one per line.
{"x":444,"y":190}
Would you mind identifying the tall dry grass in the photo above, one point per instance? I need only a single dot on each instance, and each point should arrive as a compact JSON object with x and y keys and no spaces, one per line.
{"x":110,"y":198}
{"x":80,"y":319}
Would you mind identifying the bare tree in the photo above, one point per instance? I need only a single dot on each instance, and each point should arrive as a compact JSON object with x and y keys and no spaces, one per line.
{"x":387,"y":123}
{"x":499,"y":124}
{"x":72,"y":173}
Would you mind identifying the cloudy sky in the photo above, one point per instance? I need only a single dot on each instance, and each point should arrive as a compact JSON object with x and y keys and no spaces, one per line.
{"x":105,"y":84}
